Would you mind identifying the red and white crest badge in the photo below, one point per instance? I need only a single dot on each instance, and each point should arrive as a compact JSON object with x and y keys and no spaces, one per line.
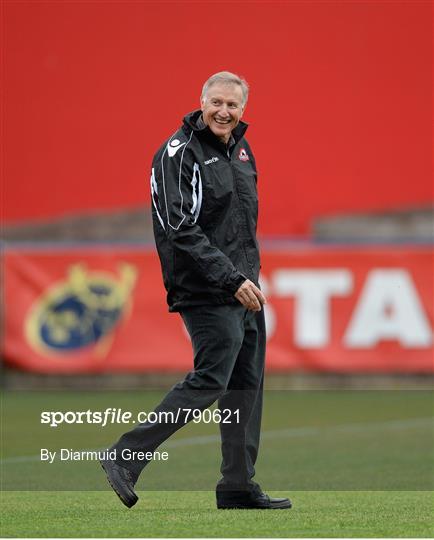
{"x":243,"y":155}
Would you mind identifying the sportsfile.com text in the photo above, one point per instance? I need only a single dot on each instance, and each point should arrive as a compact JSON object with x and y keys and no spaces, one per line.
{"x":113,"y":415}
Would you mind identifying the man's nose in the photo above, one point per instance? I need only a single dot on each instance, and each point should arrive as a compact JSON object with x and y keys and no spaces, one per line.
{"x":223,"y":110}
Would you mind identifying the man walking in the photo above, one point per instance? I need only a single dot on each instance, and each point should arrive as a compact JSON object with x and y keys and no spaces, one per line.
{"x":204,"y":205}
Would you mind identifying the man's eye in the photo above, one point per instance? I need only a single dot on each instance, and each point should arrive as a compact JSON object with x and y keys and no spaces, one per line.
{"x":233,"y":105}
{"x":216,"y":102}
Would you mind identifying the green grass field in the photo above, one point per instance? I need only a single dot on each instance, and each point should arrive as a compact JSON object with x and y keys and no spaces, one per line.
{"x":355,"y":464}
{"x":192,"y":514}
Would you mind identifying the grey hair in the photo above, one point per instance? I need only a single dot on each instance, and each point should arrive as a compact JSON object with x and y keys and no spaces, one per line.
{"x":226,"y":77}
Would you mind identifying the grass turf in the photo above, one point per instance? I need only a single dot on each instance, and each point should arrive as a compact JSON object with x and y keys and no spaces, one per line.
{"x":356,"y":464}
{"x":193,"y":514}
{"x":311,"y":441}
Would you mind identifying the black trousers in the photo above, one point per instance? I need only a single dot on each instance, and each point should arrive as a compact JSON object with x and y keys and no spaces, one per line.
{"x":229,"y":351}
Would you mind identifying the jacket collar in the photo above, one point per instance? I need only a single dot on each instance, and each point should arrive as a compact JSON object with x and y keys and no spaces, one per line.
{"x":202,"y":130}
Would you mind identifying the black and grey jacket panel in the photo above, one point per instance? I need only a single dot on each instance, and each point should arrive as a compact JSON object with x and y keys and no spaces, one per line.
{"x":204,"y":207}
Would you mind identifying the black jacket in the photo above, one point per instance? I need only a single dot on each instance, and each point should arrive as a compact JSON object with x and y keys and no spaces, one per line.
{"x":204,"y":208}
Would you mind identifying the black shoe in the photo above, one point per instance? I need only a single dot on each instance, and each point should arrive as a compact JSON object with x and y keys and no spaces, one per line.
{"x":121,"y":480}
{"x":254,"y":500}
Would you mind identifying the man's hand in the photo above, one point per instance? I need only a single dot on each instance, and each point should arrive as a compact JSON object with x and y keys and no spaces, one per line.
{"x":250,"y":296}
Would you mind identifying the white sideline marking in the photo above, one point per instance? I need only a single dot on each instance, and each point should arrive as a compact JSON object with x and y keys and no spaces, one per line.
{"x":359,"y":427}
{"x":315,"y":430}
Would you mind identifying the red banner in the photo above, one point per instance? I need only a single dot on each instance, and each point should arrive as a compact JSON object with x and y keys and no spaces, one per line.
{"x":329,"y":309}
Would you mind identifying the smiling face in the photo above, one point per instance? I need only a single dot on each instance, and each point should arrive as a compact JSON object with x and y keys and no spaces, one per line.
{"x":222,"y":109}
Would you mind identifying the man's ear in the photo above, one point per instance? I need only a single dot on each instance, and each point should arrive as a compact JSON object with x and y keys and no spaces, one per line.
{"x":202,"y":103}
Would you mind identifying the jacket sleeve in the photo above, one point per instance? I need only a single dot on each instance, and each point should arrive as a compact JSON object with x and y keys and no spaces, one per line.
{"x":176,"y":190}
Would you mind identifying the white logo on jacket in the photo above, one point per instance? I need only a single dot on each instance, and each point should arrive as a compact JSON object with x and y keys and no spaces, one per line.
{"x":243,"y":155}
{"x":212,"y":160}
{"x":173,"y":146}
